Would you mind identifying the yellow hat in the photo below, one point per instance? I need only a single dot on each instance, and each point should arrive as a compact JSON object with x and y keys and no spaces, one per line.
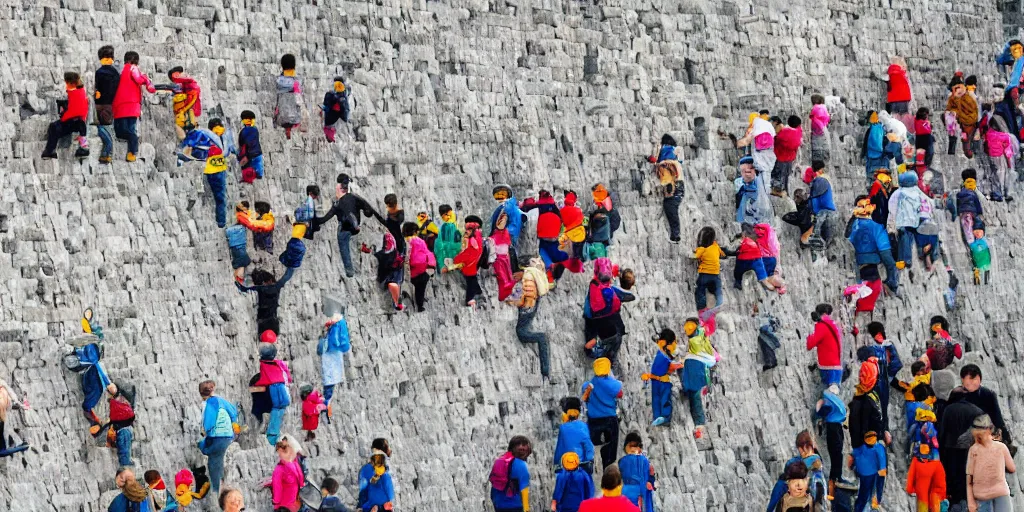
{"x":690,"y":327}
{"x":570,"y":461}
{"x":602,"y":366}
{"x":298,"y":230}
{"x":970,"y":183}
{"x":751,"y":117}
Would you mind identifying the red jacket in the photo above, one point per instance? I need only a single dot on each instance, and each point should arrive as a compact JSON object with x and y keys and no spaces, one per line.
{"x":128,"y":98}
{"x":549,"y":222}
{"x":787,"y":143}
{"x":608,"y":504}
{"x":311,"y":408}
{"x":78,"y":105}
{"x":470,"y":256}
{"x":826,"y":338}
{"x":748,"y":250}
{"x":922,"y":127}
{"x":899,"y":87}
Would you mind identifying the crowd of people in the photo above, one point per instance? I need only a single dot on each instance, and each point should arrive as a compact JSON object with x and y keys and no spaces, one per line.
{"x":892,"y":214}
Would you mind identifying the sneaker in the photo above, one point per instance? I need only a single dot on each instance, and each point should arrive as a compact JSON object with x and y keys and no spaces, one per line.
{"x":698,"y":433}
{"x":471,"y":304}
{"x":94,"y":430}
{"x":365,"y":248}
{"x":590,"y":344}
{"x":130,"y":157}
{"x":49,"y":156}
{"x":106,"y":159}
{"x":661,"y":420}
{"x":674,"y":240}
{"x":399,"y":306}
{"x":81,"y":152}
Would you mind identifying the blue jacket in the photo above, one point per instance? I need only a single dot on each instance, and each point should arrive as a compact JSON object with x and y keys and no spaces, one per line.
{"x":694,"y":375}
{"x":249,"y":143}
{"x":571,"y":488}
{"x":832,"y":410}
{"x":967,"y":201}
{"x":237,"y":236}
{"x":574,"y":436}
{"x":821,"y":195}
{"x":874,"y":141}
{"x":667,"y":153}
{"x":1005,"y":59}
{"x":218,"y":415}
{"x":869,"y":459}
{"x":90,"y":355}
{"x":515,"y":218}
{"x":122,"y":504}
{"x":636,"y":474}
{"x":603,"y":399}
{"x":337,"y":339}
{"x":380,"y":492}
{"x":870,"y":241}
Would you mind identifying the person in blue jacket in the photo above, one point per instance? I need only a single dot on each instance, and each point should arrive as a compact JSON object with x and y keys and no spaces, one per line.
{"x":823,"y":206}
{"x":380,"y":451}
{"x":220,"y":425}
{"x":94,"y":377}
{"x":873,"y":150}
{"x":871,"y":243}
{"x":637,"y":473}
{"x":574,"y":436}
{"x":660,"y":377}
{"x":508,"y":203}
{"x":601,"y":394}
{"x":832,"y":412}
{"x":572,"y":485}
{"x":869,"y":461}
{"x":808,"y":454}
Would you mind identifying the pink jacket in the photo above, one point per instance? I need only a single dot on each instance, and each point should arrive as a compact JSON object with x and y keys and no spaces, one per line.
{"x":285,"y":485}
{"x":819,"y":119}
{"x":128,"y":98}
{"x":420,"y":258}
{"x":999,"y":144}
{"x":274,"y":372}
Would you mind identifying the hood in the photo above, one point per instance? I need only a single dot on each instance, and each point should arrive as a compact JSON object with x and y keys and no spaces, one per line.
{"x":908,"y":179}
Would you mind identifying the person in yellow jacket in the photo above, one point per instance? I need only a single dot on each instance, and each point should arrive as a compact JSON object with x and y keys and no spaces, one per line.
{"x":260,"y":220}
{"x":709,"y":268}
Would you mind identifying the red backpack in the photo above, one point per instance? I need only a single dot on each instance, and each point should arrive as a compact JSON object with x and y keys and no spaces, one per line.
{"x":501,"y":472}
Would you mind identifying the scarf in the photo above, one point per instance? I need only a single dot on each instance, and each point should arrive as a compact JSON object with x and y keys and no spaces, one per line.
{"x":389,"y":242}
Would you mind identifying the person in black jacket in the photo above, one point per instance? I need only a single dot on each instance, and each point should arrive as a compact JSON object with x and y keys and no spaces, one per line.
{"x":973,"y":392}
{"x":348,"y":208}
{"x":268,"y":295}
{"x":107,"y":78}
{"x":866,"y":407}
{"x":957,"y":418}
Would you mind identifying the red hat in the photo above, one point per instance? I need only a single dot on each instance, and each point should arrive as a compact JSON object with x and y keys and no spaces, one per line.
{"x":809,"y":175}
{"x":868,"y":375}
{"x":268,"y":336}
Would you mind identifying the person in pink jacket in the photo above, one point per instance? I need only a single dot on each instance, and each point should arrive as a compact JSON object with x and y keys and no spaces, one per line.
{"x":127,"y":104}
{"x":820,"y":146}
{"x":1002,"y":153}
{"x":287,"y":478}
{"x":420,"y":260}
{"x":827,"y":340}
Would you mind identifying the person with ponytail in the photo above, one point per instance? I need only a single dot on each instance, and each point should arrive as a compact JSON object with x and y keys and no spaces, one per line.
{"x":611,"y":499}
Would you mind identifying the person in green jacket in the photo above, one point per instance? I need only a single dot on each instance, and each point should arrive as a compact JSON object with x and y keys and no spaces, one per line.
{"x":449,"y":240}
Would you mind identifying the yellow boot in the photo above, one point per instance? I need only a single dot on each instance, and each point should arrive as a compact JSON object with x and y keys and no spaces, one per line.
{"x":130,"y":157}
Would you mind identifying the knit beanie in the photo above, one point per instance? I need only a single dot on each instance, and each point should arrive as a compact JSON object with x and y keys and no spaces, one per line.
{"x":602,"y":366}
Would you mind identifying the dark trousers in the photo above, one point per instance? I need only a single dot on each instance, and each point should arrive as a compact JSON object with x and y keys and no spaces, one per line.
{"x":472,"y":288}
{"x":671,"y":206}
{"x":125,"y":129}
{"x":60,"y":129}
{"x":768,"y":342}
{"x":780,"y":175}
{"x":528,"y":335}
{"x":419,"y":284}
{"x":3,"y":438}
{"x":605,"y":432}
{"x":834,"y":443}
{"x":708,"y":283}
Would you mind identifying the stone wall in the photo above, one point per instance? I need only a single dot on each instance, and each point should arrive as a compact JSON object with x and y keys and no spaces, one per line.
{"x":452,"y":97}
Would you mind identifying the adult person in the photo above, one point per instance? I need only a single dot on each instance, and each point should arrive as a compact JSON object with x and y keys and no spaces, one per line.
{"x":866,"y":407}
{"x":611,"y":499}
{"x":601,"y":394}
{"x":134,"y":496}
{"x":905,"y":206}
{"x":220,"y":424}
{"x":515,"y":496}
{"x":348,"y":208}
{"x":230,"y":500}
{"x":973,"y":392}
{"x":898,"y":96}
{"x":988,"y":461}
{"x":871,"y":246}
{"x":753,"y":204}
{"x":957,"y":419}
{"x":268,"y":296}
{"x":287,"y":478}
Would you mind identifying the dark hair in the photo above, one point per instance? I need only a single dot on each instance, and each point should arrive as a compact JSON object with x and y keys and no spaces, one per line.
{"x":612,"y":478}
{"x":817,"y":99}
{"x":918,"y":366}
{"x":213,"y":123}
{"x":763,"y":112}
{"x":922,"y":113}
{"x":794,"y":121}
{"x":206,"y":388}
{"x":444,"y":209}
{"x":668,"y":140}
{"x":706,"y":236}
{"x":248,"y":114}
{"x":775,"y":120}
{"x":634,"y":439}
{"x":313,"y":190}
{"x":72,"y":78}
{"x":520,"y":447}
{"x":800,"y":196}
{"x":803,"y":440}
{"x":409,"y":229}
{"x":941,"y":320}
{"x":859,"y":198}
{"x":970,"y":370}
{"x":391,"y":200}
{"x":668,"y":335}
{"x":875,"y":328}
{"x":968,"y":173}
{"x":474,"y":218}
{"x":330,"y":485}
{"x":380,"y":444}
{"x":172,"y":71}
{"x":921,"y":392}
{"x":795,"y":470}
{"x":261,"y":277}
{"x":823,"y":309}
{"x":817,"y":165}
{"x":339,"y":78}
{"x":344,"y":180}
{"x":748,"y":230}
{"x":224,"y":493}
{"x":106,"y":52}
{"x":131,"y":58}
{"x":261,"y":207}
{"x":287,"y":61}
{"x":571,"y":403}
{"x":151,"y":476}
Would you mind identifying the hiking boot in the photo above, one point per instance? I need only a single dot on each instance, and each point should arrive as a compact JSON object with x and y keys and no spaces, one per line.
{"x":977,"y":276}
{"x":106,"y":159}
{"x":874,"y":503}
{"x":81,"y":152}
{"x":49,"y":156}
{"x":661,"y":420}
{"x":997,"y":197}
{"x":674,"y":239}
{"x":130,"y":157}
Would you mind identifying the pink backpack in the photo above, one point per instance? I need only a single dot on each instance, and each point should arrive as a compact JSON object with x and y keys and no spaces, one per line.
{"x":501,"y":471}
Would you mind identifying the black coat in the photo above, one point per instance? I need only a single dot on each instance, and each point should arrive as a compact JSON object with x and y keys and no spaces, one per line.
{"x":865,"y":416}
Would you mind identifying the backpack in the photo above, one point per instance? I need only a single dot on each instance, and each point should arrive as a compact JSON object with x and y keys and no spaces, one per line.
{"x":74,"y":360}
{"x":501,"y":474}
{"x":485,"y":254}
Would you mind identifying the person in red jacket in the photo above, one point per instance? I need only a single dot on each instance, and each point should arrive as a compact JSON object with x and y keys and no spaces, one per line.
{"x":787,"y":143}
{"x":549,"y":228}
{"x":468,"y":258}
{"x":611,"y":499}
{"x":827,"y":340}
{"x":897,"y":99}
{"x":72,"y":120}
{"x":748,"y":257}
{"x":575,"y":234}
{"x":128,"y":103}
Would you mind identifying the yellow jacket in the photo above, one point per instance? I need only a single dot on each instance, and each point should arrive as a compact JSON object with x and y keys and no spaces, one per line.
{"x":709,"y":259}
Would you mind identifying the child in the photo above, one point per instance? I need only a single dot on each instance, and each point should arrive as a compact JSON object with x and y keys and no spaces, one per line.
{"x":1002,"y":151}
{"x":575,"y":233}
{"x":981,"y":256}
{"x":965,"y":107}
{"x":748,"y":257}
{"x":926,"y":480}
{"x":923,"y":140}
{"x":122,"y":416}
{"x":250,"y":152}
{"x":157,"y":488}
{"x":802,"y":217}
{"x":667,"y":151}
{"x":187,"y":107}
{"x":832,"y":412}
{"x":467,"y":259}
{"x":307,"y":211}
{"x":709,"y":268}
{"x":426,"y":229}
{"x":127,"y":104}
{"x":379,"y":491}
{"x":574,"y":437}
{"x":208,"y":145}
{"x":394,"y":217}
{"x":668,"y":173}
{"x":922,"y":375}
{"x":923,"y":436}
{"x":889,"y":364}
{"x":549,"y":228}
{"x":449,"y":238}
{"x":8,"y":402}
{"x":260,"y":221}
{"x":572,"y":485}
{"x":508,"y":204}
{"x":873,"y":149}
{"x":769,"y":245}
{"x":819,"y":129}
{"x":332,"y":346}
{"x":700,"y":358}
{"x":661,"y":372}
{"x":93,"y":376}
{"x":897,"y":99}
{"x":390,"y":269}
{"x":822,"y":205}
{"x":787,"y":144}
{"x":795,"y":498}
{"x":869,"y":463}
{"x":275,"y":377}
{"x":238,"y":241}
{"x":335,"y":108}
{"x":941,"y":350}
{"x":501,"y":245}
{"x":829,"y":344}
{"x":603,"y":201}
{"x":72,"y":119}
{"x":602,"y":394}
{"x":533,"y":285}
{"x":312,"y":405}
{"x":637,"y":473}
{"x":288,"y":112}
{"x":808,"y":455}
{"x":968,"y":204}
{"x":330,"y":502}
{"x":421,"y":262}
{"x":106,"y":80}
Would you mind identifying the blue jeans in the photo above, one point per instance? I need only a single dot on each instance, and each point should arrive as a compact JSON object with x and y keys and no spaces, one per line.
{"x":744,"y":266}
{"x":328,"y":393}
{"x":708,"y":283}
{"x":696,"y":407}
{"x":108,"y":141}
{"x":219,"y":186}
{"x":870,"y":164}
{"x":661,"y":399}
{"x":527,"y":335}
{"x":124,"y":446}
{"x":214,"y":448}
{"x":125,"y":129}
{"x":344,"y":237}
{"x":274,"y":425}
{"x":906,"y":236}
{"x":870,"y":485}
{"x":829,"y":377}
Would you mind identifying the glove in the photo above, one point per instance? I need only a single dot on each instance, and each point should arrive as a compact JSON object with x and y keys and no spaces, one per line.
{"x":236,"y":429}
{"x":652,"y":159}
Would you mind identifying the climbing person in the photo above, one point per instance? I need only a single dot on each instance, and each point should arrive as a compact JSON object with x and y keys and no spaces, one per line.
{"x":611,"y":498}
{"x":120,"y":433}
{"x":127,"y":104}
{"x":832,"y":412}
{"x":250,"y":151}
{"x":306,"y":212}
{"x":923,"y":140}
{"x":965,"y":108}
{"x":605,"y":204}
{"x":500,"y":243}
{"x":449,"y":238}
{"x":666,"y":150}
{"x":332,"y":346}
{"x":72,"y":119}
{"x":873,"y":148}
{"x":787,"y":144}
{"x":601,"y":394}
{"x":871,"y":247}
{"x":508,"y":204}
{"x":572,"y":484}
{"x":426,"y":229}
{"x":378,"y":447}
{"x":549,"y":227}
{"x":826,"y":338}
{"x":869,"y":462}
{"x":231,"y":500}
{"x":394,"y":217}
{"x":905,"y":205}
{"x":638,"y":478}
{"x":510,"y":477}
{"x":312,"y":406}
{"x":575,"y":234}
{"x":866,"y":408}
{"x":106,"y":81}
{"x":668,"y":173}
{"x":753,"y":202}
{"x":238,"y":241}
{"x":822,"y":206}
{"x":330,"y":501}
{"x":134,"y":497}
{"x":793,"y":490}
{"x":379,"y":489}
{"x":957,"y":419}
{"x":157,"y":489}
{"x":391,"y":269}
{"x":1002,"y":150}
{"x":820,"y":118}
{"x":210,"y":146}
{"x":926,"y":479}
{"x":574,"y":437}
{"x":260,"y":220}
{"x":8,"y":402}
{"x":748,"y":258}
{"x":661,"y":377}
{"x":801,"y":217}
{"x":421,"y":263}
{"x":988,"y":461}
{"x":275,"y":376}
{"x":967,"y":206}
{"x":186,"y":103}
{"x":981,"y":255}
{"x":348,"y":208}
{"x":709,"y":268}
{"x":941,"y":350}
{"x":219,"y":428}
{"x":287,"y":478}
{"x":268,"y":296}
{"x":889,"y":364}
{"x":973,"y":392}
{"x":288,"y":112}
{"x":767,"y":338}
{"x":760,"y":137}
{"x":898,"y":95}
{"x":768,"y":243}
{"x":87,"y":351}
{"x":190,"y":485}
{"x":700,"y":358}
{"x":335,"y":108}
{"x":603,"y":327}
{"x":533,"y":286}
{"x":468,"y":258}
{"x":879,"y":193}
{"x":599,"y":234}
